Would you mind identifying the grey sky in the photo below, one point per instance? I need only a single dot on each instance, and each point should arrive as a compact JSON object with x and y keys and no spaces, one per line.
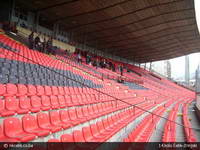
{"x":178,"y":64}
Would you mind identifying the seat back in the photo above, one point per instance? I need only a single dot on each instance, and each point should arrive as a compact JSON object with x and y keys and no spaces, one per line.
{"x":11,"y":103}
{"x":12,"y":126}
{"x":43,"y":119}
{"x":29,"y":122}
{"x":67,"y":138}
{"x":24,"y":102}
{"x":54,"y":117}
{"x":78,"y":136}
{"x":36,"y":101}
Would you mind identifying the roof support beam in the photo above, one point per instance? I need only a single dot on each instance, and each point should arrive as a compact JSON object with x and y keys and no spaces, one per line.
{"x":55,"y":5}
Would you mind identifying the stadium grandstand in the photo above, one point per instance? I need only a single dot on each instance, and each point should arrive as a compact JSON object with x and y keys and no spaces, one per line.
{"x":70,"y":73}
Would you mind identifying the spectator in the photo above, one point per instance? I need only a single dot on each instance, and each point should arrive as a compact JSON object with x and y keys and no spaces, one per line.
{"x":31,"y":40}
{"x":104,"y":63}
{"x":113,"y":67}
{"x":88,"y":59}
{"x":94,"y":63}
{"x":110,"y":65}
{"x":37,"y":42}
{"x":101,"y":63}
{"x":49,"y":45}
{"x":121,"y":69}
{"x":79,"y":58}
{"x":97,"y":63}
{"x":44,"y":45}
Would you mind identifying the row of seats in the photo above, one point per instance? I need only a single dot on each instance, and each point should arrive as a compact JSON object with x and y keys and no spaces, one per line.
{"x":18,"y":72}
{"x":170,"y":127}
{"x":45,"y":123}
{"x":145,"y":128}
{"x":11,"y":105}
{"x":34,"y":58}
{"x":104,"y":129}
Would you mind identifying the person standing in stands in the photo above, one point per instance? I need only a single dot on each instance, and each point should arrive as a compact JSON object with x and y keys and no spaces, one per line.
{"x":79,"y":58}
{"x":121,"y":69}
{"x":49,"y":45}
{"x":44,"y":45}
{"x":97,"y":63}
{"x":41,"y":44}
{"x":31,"y":40}
{"x":37,"y":42}
{"x":104,"y":63}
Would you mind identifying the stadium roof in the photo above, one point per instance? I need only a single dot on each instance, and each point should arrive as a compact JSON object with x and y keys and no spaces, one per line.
{"x":139,"y":30}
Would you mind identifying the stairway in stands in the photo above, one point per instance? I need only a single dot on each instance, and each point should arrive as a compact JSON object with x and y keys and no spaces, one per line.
{"x":44,"y":99}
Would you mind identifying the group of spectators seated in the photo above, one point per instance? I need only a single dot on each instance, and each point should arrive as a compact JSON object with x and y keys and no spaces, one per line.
{"x":97,"y":61}
{"x":40,"y":44}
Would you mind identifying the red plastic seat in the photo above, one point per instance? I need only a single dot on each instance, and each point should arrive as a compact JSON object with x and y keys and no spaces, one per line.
{"x":74,"y":100}
{"x":54,"y":90}
{"x":46,"y":104}
{"x":61,"y":100}
{"x":47,"y":90}
{"x":100,"y":126}
{"x":78,"y":136}
{"x":102,"y":130}
{"x":88,"y":135}
{"x":54,"y":102}
{"x":68,"y":100}
{"x":40,"y":90}
{"x":3,"y":111}
{"x":73,"y":116}
{"x":3,"y":138}
{"x":95,"y":108}
{"x":84,"y":99}
{"x":67,"y":138}
{"x":31,"y":90}
{"x":13,"y":129}
{"x":71,"y":90}
{"x":61,"y":90}
{"x":55,"y":120}
{"x":35,"y":103}
{"x":80,"y":100}
{"x":24,"y":103}
{"x":107,"y":125}
{"x":64,"y":117}
{"x":12,"y":104}
{"x":80,"y":114}
{"x":30,"y":126}
{"x":95,"y":132}
{"x":66,"y":89}
{"x":91,"y":111}
{"x":44,"y":123}
{"x":22,"y":90}
{"x":11,"y":89}
{"x":85,"y":112}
